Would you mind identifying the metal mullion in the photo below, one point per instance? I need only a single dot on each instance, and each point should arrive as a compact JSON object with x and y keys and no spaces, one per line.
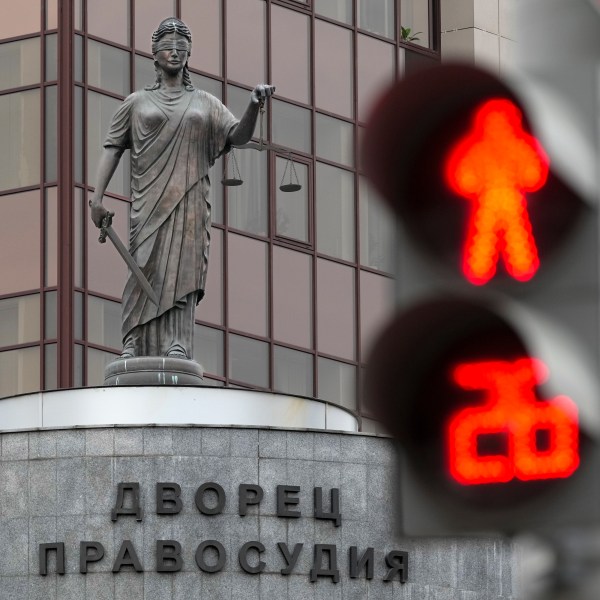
{"x":345,"y":361}
{"x":178,"y":9}
{"x":104,"y":92}
{"x":294,"y":347}
{"x":22,"y":88}
{"x":12,"y":347}
{"x":42,"y":195}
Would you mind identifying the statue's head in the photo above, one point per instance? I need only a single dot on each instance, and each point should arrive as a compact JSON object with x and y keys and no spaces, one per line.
{"x":172,"y":33}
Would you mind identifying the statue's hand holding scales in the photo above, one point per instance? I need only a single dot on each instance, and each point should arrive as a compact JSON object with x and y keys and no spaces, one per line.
{"x":175,"y":133}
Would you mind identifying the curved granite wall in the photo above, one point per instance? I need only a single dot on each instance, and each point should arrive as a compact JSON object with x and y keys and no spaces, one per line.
{"x":60,"y":486}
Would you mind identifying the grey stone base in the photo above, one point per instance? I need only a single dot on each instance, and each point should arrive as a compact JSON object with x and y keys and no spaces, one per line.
{"x":153,"y":370}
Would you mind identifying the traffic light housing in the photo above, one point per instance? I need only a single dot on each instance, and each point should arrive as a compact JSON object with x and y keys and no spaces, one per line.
{"x":495,"y":410}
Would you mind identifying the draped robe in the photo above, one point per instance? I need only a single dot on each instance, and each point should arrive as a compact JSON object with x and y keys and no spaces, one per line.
{"x":174,"y":137}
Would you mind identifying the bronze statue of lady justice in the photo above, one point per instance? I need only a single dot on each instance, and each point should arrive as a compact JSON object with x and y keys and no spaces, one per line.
{"x":175,"y":133}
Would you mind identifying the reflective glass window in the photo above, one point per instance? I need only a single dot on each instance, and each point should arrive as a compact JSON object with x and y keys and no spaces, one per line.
{"x":51,"y":58}
{"x":144,"y":72}
{"x":210,"y":308}
{"x":96,"y":363}
{"x":20,"y":240}
{"x":209,"y":349}
{"x":104,"y":322}
{"x":414,"y":15}
{"x":108,"y":68}
{"x":51,"y":123}
{"x":290,"y":55}
{"x":78,"y":315}
{"x":20,"y":63}
{"x":99,"y":116}
{"x":148,"y":15}
{"x":212,"y":86}
{"x":51,"y":14}
{"x":215,"y":195}
{"x":19,"y":320}
{"x":248,"y":203}
{"x":336,"y":315}
{"x":292,"y":297}
{"x":340,"y":10}
{"x":80,"y":217}
{"x":19,"y":371}
{"x":204,"y":20}
{"x":377,"y":246}
{"x":78,"y":135}
{"x":335,"y":140}
{"x":237,"y":102}
{"x":376,"y":305}
{"x":20,"y":18}
{"x":245,"y":22}
{"x":20,"y":135}
{"x":78,"y":365}
{"x":51,"y":226}
{"x":107,"y":272}
{"x":293,"y":371}
{"x":78,"y":64}
{"x":335,"y":211}
{"x":337,"y":382}
{"x":377,"y":16}
{"x":247,"y":284}
{"x":50,"y":315}
{"x":292,"y":207}
{"x":109,"y":19}
{"x":291,"y":126}
{"x":375,"y":71}
{"x":333,"y":69}
{"x":248,"y":361}
{"x":50,"y":367}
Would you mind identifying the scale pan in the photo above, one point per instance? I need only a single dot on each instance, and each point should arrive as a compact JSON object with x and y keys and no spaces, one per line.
{"x":290,"y":187}
{"x":232,"y":182}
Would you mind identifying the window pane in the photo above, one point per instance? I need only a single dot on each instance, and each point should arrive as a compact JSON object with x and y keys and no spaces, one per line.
{"x":144,"y":72}
{"x":208,"y":349}
{"x":51,"y":14}
{"x":293,"y":372}
{"x":335,"y":212}
{"x":104,"y":322}
{"x":376,"y":305}
{"x":108,"y":68}
{"x":109,"y":19}
{"x":377,"y":16}
{"x":290,"y":55}
{"x":291,"y":126}
{"x":80,"y":217}
{"x":20,"y":18}
{"x":333,"y":69}
{"x":248,"y":361}
{"x":247,"y":283}
{"x":19,"y":320}
{"x":336,"y":315}
{"x":78,"y":366}
{"x":245,"y":20}
{"x":107,"y":272}
{"x":51,"y":250}
{"x":78,"y":63}
{"x":248,"y":203}
{"x":78,"y":135}
{"x":337,"y":383}
{"x":20,"y":63}
{"x":204,"y":20}
{"x":414,"y":14}
{"x":20,"y":135}
{"x":215,"y":195}
{"x":212,"y":86}
{"x":292,"y":295}
{"x":50,"y":316}
{"x":340,"y":10}
{"x":237,"y":102}
{"x":375,"y":71}
{"x":335,"y":140}
{"x":21,"y":217}
{"x":292,"y":207}
{"x":50,"y":367}
{"x":100,"y":113}
{"x":96,"y":362}
{"x":148,"y":15}
{"x":51,"y":134}
{"x":211,"y":307}
{"x":376,"y":230}
{"x":51,"y":57}
{"x":19,"y":371}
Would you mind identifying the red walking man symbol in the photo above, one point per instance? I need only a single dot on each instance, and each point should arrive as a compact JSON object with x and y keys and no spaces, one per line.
{"x":493,"y":166}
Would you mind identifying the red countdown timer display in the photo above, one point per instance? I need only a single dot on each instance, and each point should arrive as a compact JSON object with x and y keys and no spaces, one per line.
{"x":493,"y":166}
{"x":541,"y":437}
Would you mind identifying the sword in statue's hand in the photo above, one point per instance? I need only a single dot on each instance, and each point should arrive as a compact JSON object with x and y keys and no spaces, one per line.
{"x":107,"y":231}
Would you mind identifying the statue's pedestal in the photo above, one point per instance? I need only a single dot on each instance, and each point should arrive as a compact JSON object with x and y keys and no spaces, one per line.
{"x":153,"y":370}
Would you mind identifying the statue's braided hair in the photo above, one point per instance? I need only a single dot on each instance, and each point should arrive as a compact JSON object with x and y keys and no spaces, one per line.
{"x":171,"y":25}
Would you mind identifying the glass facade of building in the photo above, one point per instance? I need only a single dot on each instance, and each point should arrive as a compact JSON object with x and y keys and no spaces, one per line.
{"x":298,"y":283}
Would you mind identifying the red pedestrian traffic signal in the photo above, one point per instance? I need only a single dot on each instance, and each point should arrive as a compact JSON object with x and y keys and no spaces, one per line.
{"x":493,"y":166}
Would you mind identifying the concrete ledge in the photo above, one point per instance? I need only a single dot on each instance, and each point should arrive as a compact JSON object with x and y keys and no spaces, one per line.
{"x":154,"y":405}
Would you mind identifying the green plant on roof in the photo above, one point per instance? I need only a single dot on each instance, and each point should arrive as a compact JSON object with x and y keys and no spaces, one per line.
{"x":406,"y":34}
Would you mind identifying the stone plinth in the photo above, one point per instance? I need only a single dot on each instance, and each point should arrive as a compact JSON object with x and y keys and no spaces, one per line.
{"x":153,"y":370}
